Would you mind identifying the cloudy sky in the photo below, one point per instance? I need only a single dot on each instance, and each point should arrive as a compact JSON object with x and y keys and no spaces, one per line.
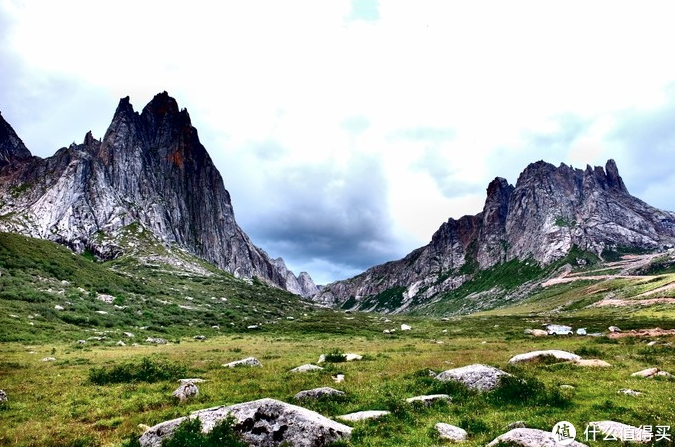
{"x":347,"y":131}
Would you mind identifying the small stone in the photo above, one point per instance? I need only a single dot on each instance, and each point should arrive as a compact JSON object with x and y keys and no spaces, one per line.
{"x":249,"y":361}
{"x":477,"y":377}
{"x":159,"y":341}
{"x":129,"y":334}
{"x":318,"y":393}
{"x":253,"y":326}
{"x":3,"y":396}
{"x":652,"y":343}
{"x":216,"y":327}
{"x":613,"y":329}
{"x":517,"y":424}
{"x":530,"y":437}
{"x":199,"y":337}
{"x":49,"y":359}
{"x":592,"y":363}
{"x":629,"y":392}
{"x":81,"y":342}
{"x":306,"y":368}
{"x":57,"y":307}
{"x":339,"y":378}
{"x":451,"y":433}
{"x":405,"y":327}
{"x":363,"y":415}
{"x":566,"y":387}
{"x":428,"y":399}
{"x":121,"y":343}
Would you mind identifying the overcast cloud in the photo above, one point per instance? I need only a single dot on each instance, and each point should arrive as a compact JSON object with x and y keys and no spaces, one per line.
{"x":348,"y":131}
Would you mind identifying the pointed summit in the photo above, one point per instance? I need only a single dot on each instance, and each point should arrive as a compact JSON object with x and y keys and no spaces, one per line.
{"x":11,"y":146}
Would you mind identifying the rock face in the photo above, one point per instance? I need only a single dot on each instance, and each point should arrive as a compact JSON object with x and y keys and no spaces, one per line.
{"x":149,"y":178}
{"x":262,"y":423}
{"x":476,"y":377}
{"x":549,"y":211}
{"x":530,"y":437}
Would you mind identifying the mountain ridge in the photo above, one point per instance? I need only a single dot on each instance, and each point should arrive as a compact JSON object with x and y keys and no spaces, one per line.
{"x":149,"y":169}
{"x":550,"y":211}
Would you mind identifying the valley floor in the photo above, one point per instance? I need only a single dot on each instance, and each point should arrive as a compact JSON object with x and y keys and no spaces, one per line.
{"x":54,"y":403}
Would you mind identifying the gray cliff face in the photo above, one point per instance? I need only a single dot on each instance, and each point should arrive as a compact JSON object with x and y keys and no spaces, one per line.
{"x":302,"y":285}
{"x":549,"y":211}
{"x":149,"y":173}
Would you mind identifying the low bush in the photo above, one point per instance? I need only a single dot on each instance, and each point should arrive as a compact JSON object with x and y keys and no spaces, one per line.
{"x":147,"y":370}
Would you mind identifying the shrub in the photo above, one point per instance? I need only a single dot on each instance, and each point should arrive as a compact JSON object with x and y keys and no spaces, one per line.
{"x":517,"y":389}
{"x":335,"y":356}
{"x":147,"y":370}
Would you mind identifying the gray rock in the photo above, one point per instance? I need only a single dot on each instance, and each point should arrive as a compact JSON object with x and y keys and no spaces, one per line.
{"x":517,"y":424}
{"x":249,"y":361}
{"x":318,"y":393}
{"x":451,"y":433}
{"x":81,"y":342}
{"x":530,"y":437}
{"x":305,"y":368}
{"x":185,"y":391}
{"x":613,"y":329}
{"x":195,"y":380}
{"x":339,"y":378}
{"x":539,"y":355}
{"x":129,"y":334}
{"x":629,"y":392}
{"x":199,"y":337}
{"x":121,"y":343}
{"x":651,"y":372}
{"x":3,"y":396}
{"x":49,"y":359}
{"x":428,"y":399}
{"x":262,"y":423}
{"x":362,"y":415}
{"x":616,"y":430}
{"x":158,"y":341}
{"x":477,"y":377}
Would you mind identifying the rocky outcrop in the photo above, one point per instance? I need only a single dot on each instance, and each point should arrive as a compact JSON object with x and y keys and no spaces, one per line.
{"x":148,"y":180}
{"x":541,"y":219}
{"x":263,"y":423}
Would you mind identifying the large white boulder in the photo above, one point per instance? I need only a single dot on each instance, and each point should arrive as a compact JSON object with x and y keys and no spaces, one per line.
{"x":536,"y":356}
{"x":476,"y":377}
{"x":264,"y":423}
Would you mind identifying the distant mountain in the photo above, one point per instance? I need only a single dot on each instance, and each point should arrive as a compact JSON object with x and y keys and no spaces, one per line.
{"x":551,"y":211}
{"x":148,"y":183}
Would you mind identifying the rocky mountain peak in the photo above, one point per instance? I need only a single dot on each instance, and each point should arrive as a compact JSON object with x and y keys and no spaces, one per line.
{"x":11,"y":146}
{"x":149,"y":172}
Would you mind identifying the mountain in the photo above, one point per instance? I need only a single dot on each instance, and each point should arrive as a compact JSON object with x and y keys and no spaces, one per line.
{"x":550,"y":213}
{"x":148,"y":183}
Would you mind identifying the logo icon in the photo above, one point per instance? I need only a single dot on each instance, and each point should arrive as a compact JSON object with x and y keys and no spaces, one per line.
{"x":564,"y":432}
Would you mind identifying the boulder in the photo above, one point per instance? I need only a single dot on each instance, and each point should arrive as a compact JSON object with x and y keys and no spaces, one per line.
{"x":185,"y":391}
{"x":530,"y":437}
{"x":57,"y":307}
{"x":476,"y":377}
{"x":405,"y":327}
{"x":428,"y":399}
{"x":451,"y":433}
{"x":339,"y":378}
{"x":536,"y":356}
{"x":158,"y":341}
{"x":121,"y":343}
{"x":249,"y":361}
{"x":613,"y":329}
{"x":49,"y":359}
{"x":81,"y":342}
{"x":318,"y":393}
{"x":3,"y":396}
{"x":199,"y":337}
{"x":592,"y":363}
{"x":305,"y":368}
{"x":612,"y":430}
{"x":262,"y":423}
{"x":362,"y":415}
{"x":129,"y":334}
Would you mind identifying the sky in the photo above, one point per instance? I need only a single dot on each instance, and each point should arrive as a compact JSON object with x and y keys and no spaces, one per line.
{"x":348,"y":131}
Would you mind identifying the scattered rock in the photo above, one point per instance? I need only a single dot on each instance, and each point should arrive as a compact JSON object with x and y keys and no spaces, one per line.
{"x":613,"y":329}
{"x":129,"y":334}
{"x":428,"y":399}
{"x":535,"y":356}
{"x":159,"y":341}
{"x":363,"y":415}
{"x":629,"y":392}
{"x":199,"y":337}
{"x":651,"y":372}
{"x":592,"y":363}
{"x":121,"y":343}
{"x":3,"y":396}
{"x":339,"y":378}
{"x":81,"y":342}
{"x":216,"y":327}
{"x":477,"y":377}
{"x":405,"y":327}
{"x":191,"y":380}
{"x":616,"y":430}
{"x":318,"y":393}
{"x":57,"y":307}
{"x":451,"y":433}
{"x":264,"y":422}
{"x":49,"y":359}
{"x":566,"y":387}
{"x":253,"y":326}
{"x":249,"y":361}
{"x":517,"y":424}
{"x":186,"y":391}
{"x":386,"y":331}
{"x":306,"y":368}
{"x":530,"y":437}
{"x":102,"y":312}
{"x":652,"y":343}
{"x":105,"y":298}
